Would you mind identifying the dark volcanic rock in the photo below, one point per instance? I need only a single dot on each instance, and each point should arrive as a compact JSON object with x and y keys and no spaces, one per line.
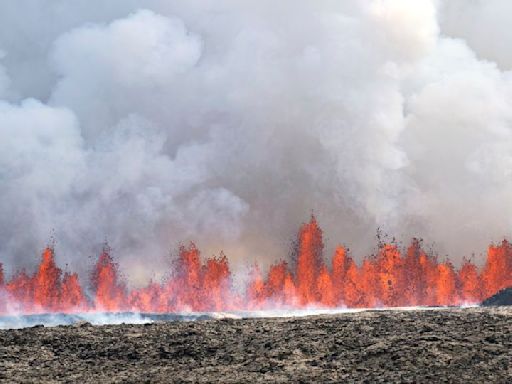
{"x":503,"y":297}
{"x":452,"y":345}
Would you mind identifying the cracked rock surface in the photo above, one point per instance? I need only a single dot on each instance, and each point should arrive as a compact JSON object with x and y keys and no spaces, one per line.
{"x":449,"y":345}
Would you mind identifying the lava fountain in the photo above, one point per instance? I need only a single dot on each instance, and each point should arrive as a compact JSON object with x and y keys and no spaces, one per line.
{"x":390,"y":278}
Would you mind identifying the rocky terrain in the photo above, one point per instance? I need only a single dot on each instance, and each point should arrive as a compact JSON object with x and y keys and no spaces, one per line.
{"x":451,"y":345}
{"x":503,"y":297}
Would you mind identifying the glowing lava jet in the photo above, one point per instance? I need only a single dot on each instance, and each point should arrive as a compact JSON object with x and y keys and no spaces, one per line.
{"x":391,"y":278}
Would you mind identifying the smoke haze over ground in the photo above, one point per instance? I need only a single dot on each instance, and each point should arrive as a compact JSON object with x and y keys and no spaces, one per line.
{"x":150,"y":123}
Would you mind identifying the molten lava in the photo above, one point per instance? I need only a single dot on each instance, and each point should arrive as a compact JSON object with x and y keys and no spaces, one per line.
{"x":390,"y":278}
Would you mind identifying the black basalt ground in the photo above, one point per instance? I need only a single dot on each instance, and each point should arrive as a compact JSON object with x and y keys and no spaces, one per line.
{"x":452,"y":345}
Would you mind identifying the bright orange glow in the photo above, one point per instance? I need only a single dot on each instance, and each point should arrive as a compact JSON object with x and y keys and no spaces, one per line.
{"x":389,"y":278}
{"x":110,"y":292}
{"x":309,"y":262}
{"x":47,"y":282}
{"x":470,"y":283}
{"x":497,"y":272}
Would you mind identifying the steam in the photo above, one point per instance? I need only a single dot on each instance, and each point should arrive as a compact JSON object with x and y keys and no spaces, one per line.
{"x":227,"y":123}
{"x":98,"y":318}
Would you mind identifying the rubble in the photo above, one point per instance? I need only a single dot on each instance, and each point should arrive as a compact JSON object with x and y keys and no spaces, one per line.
{"x":453,"y":345}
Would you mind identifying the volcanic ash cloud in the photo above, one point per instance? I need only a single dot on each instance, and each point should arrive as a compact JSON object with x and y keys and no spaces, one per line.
{"x":227,"y":123}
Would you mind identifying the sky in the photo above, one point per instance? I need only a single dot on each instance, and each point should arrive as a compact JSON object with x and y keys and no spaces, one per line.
{"x":153,"y":123}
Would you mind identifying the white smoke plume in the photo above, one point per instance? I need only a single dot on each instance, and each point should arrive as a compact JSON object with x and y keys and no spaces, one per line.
{"x":150,"y":123}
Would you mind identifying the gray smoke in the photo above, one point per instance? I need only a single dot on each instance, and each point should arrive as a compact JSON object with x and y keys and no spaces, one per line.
{"x":150,"y":123}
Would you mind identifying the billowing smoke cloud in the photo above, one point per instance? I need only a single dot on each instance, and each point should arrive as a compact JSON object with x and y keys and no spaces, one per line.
{"x":483,"y":25}
{"x":150,"y":123}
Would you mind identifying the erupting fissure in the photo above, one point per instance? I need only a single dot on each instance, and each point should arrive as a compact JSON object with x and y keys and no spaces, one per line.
{"x":388,"y":279}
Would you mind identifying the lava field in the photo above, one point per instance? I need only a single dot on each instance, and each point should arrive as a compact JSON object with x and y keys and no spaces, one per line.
{"x":446,"y":345}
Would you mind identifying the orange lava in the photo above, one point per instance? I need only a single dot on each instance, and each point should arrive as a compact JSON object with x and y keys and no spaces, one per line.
{"x":391,"y":278}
